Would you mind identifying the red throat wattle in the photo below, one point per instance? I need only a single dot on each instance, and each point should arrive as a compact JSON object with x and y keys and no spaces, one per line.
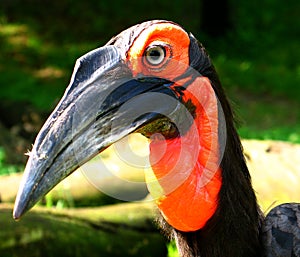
{"x":186,"y":177}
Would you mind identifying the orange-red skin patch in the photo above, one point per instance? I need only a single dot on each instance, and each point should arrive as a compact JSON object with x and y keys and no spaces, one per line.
{"x":188,"y":171}
{"x":167,"y":33}
{"x":189,"y":204}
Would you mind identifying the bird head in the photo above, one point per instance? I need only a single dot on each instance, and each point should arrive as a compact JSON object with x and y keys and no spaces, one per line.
{"x":153,"y":78}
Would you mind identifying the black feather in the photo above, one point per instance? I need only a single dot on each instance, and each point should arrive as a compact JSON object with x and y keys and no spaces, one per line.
{"x":281,"y":231}
{"x":234,"y":230}
{"x":238,"y":228}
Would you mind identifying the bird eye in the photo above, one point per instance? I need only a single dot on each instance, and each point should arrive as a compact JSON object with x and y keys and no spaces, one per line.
{"x":155,"y":55}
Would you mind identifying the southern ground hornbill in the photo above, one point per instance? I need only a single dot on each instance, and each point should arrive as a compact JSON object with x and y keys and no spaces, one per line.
{"x":156,"y":79}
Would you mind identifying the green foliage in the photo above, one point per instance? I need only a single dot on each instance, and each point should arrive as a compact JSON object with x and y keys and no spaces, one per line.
{"x":258,"y":56}
{"x":6,"y":169}
{"x":172,"y":249}
{"x":60,"y":203}
{"x":258,"y":63}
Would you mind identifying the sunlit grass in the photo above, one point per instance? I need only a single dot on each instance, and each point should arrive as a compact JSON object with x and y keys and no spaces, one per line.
{"x":274,"y":168}
{"x":172,"y":249}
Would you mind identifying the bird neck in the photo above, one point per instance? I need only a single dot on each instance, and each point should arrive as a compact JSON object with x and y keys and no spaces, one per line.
{"x":186,"y":177}
{"x":232,"y":225}
{"x":235,"y":228}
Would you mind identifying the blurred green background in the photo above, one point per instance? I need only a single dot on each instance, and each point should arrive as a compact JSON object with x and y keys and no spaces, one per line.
{"x":253,"y":44}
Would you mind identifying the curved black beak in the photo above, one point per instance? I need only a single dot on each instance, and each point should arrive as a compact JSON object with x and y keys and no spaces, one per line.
{"x":102,"y":104}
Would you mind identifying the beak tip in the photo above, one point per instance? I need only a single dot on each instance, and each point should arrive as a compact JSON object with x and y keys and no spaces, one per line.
{"x":19,"y":208}
{"x":16,"y":214}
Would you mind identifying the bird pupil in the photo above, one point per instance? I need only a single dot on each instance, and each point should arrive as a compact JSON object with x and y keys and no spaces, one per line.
{"x":155,"y":54}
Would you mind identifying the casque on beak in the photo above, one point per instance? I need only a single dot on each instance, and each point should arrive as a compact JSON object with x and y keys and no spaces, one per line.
{"x":101,"y":105}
